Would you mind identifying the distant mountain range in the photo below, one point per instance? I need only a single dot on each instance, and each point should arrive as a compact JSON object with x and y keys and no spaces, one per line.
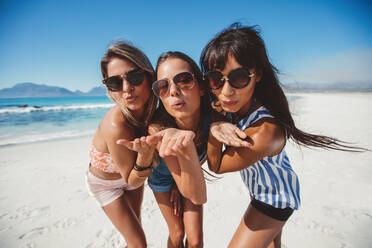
{"x":332,"y":87}
{"x":41,"y":90}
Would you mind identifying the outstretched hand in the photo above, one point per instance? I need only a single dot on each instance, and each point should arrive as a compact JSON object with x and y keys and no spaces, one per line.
{"x":139,"y":145}
{"x":229,"y":134}
{"x":172,"y":141}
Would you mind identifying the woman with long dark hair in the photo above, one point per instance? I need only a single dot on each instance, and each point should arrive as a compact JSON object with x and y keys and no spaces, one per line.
{"x":244,"y":85}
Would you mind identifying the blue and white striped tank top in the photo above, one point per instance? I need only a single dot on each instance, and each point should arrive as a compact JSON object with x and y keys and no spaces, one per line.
{"x":271,"y":179}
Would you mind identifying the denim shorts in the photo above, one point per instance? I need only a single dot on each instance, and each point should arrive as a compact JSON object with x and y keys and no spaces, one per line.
{"x":160,"y":179}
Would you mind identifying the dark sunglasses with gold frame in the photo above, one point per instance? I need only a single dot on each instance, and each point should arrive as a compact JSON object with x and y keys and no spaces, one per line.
{"x":134,"y":77}
{"x":237,"y":78}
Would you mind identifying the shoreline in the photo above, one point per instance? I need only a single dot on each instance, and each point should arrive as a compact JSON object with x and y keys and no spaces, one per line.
{"x":47,"y":141}
{"x":330,"y":93}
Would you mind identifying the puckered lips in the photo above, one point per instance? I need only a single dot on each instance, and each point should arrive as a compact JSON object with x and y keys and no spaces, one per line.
{"x":229,"y":103}
{"x":178,"y":104}
{"x":130,"y":98}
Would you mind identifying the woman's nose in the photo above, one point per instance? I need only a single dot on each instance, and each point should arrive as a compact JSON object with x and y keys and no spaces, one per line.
{"x":127,"y":87}
{"x":173,"y":89}
{"x":227,"y":90}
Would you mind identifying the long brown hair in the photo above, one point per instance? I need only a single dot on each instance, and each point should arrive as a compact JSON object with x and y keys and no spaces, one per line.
{"x":248,"y":48}
{"x":126,"y":51}
{"x":163,"y":118}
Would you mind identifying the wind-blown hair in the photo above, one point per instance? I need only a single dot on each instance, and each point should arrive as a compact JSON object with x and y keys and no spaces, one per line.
{"x":126,"y":51}
{"x":248,"y":48}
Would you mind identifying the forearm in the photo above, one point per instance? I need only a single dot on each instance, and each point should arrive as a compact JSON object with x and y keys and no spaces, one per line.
{"x":192,"y":179}
{"x":214,"y":152}
{"x":136,"y":178}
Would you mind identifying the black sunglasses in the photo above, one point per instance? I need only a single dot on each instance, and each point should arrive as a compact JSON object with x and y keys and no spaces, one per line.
{"x":237,"y":78}
{"x":184,"y":81}
{"x":134,"y":77}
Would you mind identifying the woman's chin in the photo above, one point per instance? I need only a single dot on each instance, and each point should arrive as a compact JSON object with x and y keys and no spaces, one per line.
{"x":229,"y":109}
{"x":179,"y":115}
{"x":134,"y":107}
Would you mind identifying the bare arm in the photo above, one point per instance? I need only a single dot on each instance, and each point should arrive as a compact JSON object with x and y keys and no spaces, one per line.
{"x":192,"y":174}
{"x":265,"y":138}
{"x":179,"y":153}
{"x":114,"y":127}
{"x":222,"y":132}
{"x":144,"y":159}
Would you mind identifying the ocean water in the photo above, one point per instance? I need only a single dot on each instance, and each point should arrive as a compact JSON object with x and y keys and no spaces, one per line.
{"x":25,"y":120}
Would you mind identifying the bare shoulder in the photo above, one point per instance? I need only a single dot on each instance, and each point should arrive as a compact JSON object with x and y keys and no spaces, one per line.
{"x":114,"y":124}
{"x":267,"y":136}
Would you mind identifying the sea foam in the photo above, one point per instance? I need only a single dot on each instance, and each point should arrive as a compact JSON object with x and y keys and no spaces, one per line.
{"x":29,"y":138}
{"x":29,"y":109}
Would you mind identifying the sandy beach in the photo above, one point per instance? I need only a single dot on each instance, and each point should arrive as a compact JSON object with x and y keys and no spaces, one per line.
{"x":44,"y":201}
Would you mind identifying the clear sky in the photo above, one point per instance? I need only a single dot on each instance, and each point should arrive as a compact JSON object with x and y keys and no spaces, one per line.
{"x":61,"y":42}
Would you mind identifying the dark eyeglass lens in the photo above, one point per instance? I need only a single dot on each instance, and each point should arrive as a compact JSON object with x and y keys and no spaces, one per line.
{"x":239,"y":78}
{"x":184,"y":79}
{"x":160,"y":87}
{"x":135,"y":77}
{"x":214,"y":79}
{"x":114,"y":83}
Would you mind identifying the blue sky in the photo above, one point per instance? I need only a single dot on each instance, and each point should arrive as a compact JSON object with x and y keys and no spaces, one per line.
{"x":61,"y":42}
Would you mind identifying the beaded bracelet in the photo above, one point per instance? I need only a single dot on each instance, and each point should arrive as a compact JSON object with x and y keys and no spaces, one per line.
{"x":136,"y":167}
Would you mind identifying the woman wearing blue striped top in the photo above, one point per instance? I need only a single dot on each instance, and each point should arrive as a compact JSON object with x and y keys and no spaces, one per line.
{"x":245,"y":86}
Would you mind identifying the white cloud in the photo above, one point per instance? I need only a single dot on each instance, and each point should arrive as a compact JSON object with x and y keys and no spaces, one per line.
{"x":349,"y":66}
